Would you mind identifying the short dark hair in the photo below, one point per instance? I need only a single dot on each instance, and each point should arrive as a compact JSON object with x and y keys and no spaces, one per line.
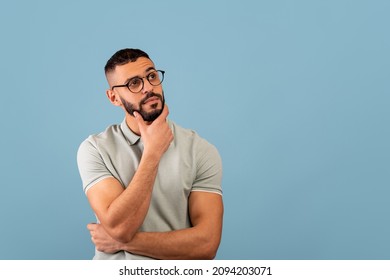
{"x":122,"y":57}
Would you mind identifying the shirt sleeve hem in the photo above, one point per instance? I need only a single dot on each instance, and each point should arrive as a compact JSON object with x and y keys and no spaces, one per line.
{"x":208,"y":191}
{"x":90,"y":185}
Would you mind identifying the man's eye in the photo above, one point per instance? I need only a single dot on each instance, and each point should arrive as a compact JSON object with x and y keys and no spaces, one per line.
{"x":134,"y":82}
{"x":152,"y":76}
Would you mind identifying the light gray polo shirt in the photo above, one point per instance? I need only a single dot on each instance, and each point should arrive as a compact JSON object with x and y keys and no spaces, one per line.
{"x":189,"y":164}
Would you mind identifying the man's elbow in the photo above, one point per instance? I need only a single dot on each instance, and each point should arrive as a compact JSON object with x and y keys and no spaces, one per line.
{"x":208,"y":249}
{"x":121,"y":234}
{"x":122,"y":238}
{"x":207,"y":253}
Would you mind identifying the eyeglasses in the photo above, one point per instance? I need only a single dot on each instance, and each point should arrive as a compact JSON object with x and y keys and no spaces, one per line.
{"x":136,"y":84}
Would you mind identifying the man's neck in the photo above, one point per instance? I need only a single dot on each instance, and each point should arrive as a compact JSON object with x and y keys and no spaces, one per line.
{"x":132,"y":124}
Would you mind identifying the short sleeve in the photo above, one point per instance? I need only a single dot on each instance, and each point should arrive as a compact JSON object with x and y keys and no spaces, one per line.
{"x":91,"y":165}
{"x":208,"y":169}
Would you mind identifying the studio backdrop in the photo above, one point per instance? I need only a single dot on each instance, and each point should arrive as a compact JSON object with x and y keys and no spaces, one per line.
{"x":294,"y":94}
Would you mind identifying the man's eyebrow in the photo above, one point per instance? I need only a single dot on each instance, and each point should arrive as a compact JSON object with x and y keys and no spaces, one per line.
{"x":147,"y":70}
{"x":150,"y":68}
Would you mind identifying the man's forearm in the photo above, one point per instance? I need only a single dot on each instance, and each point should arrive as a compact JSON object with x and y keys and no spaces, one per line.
{"x":201,"y":241}
{"x":180,"y":244}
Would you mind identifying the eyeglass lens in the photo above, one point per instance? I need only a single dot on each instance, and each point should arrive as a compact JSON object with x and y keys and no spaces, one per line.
{"x":154,"y":78}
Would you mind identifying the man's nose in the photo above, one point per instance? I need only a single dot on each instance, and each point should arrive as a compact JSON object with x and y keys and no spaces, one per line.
{"x":147,"y":86}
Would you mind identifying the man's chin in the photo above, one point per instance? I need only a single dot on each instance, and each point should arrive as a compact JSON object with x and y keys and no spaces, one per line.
{"x":152,"y":115}
{"x":154,"y":111}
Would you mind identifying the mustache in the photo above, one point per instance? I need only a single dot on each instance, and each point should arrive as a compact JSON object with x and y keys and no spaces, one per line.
{"x":149,"y":95}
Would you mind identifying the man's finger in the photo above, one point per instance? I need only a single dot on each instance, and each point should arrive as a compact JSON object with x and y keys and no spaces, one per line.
{"x":139,"y":119}
{"x":91,"y":226}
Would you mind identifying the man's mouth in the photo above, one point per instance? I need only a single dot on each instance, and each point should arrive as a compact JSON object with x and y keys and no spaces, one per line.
{"x":151,"y":100}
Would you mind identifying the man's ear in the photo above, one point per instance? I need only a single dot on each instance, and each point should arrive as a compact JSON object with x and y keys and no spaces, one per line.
{"x":113,"y":97}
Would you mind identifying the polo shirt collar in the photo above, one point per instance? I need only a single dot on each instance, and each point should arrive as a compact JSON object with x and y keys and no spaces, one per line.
{"x":130,"y":135}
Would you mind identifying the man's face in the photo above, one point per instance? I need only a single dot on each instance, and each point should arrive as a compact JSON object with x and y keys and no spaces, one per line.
{"x":150,"y":115}
{"x":149,"y":102}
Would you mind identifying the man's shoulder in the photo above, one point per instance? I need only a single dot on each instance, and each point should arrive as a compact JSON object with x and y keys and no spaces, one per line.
{"x":110,"y":132}
{"x":189,"y":136}
{"x":104,"y":138}
{"x":179,"y":129}
{"x":184,"y":134}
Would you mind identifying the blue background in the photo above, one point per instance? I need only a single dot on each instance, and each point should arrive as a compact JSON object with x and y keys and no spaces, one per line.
{"x":294,"y":94}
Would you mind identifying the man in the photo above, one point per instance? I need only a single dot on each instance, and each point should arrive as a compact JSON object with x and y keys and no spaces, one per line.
{"x":154,"y":186}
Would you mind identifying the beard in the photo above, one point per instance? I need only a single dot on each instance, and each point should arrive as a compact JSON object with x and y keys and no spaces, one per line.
{"x":147,"y":116}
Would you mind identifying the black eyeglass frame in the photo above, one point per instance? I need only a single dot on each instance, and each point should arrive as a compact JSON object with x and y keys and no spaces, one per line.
{"x":142,"y":80}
